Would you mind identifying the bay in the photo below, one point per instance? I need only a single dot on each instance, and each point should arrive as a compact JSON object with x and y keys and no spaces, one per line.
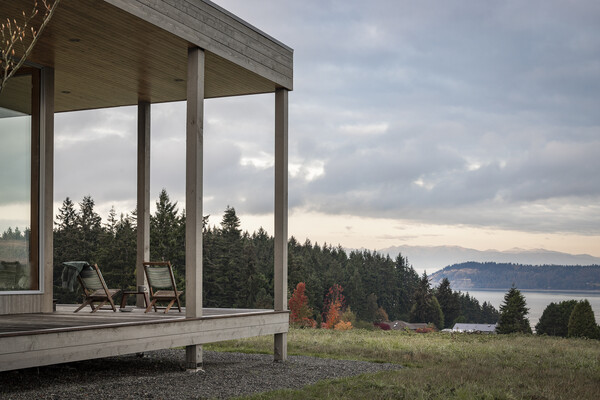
{"x":538,"y":300}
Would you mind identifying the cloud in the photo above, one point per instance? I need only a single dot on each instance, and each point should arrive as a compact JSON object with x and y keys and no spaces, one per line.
{"x":482,"y":114}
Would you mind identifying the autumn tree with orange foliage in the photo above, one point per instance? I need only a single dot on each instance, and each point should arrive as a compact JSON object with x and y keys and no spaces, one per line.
{"x":300,"y":312}
{"x":335,"y":305}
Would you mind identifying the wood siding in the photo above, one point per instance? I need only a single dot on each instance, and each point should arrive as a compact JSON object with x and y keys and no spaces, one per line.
{"x":21,"y":303}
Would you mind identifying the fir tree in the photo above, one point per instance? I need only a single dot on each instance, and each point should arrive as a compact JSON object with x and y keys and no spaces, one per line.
{"x":513,"y":312}
{"x":89,"y":227}
{"x":167,"y":241}
{"x":372,"y":308}
{"x":426,"y":307}
{"x":555,"y":319}
{"x":582,"y":322}
{"x":448,"y":301}
{"x":489,"y":314}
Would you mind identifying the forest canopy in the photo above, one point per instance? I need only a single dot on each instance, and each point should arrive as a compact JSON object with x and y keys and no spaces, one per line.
{"x":238,"y":266}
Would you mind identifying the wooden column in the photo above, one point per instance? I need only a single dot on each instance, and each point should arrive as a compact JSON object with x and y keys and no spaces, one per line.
{"x":143,"y":195}
{"x":281,"y":215}
{"x":46,"y":218}
{"x":193,"y":196}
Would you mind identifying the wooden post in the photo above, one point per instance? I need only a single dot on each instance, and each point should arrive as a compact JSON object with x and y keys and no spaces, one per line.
{"x":143,"y":196}
{"x":46,"y":219}
{"x":281,"y":215}
{"x":193,"y":196}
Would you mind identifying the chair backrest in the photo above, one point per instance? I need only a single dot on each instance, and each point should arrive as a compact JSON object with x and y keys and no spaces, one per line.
{"x":91,"y":278}
{"x":160,"y":275}
{"x":8,"y":274}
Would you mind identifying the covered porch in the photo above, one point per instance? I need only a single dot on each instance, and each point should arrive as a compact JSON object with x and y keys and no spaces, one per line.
{"x":98,"y":54}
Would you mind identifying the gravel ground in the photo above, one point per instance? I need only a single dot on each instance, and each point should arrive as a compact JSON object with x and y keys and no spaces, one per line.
{"x":159,"y":375}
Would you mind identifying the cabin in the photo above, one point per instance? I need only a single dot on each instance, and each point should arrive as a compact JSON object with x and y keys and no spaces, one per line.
{"x":108,"y":53}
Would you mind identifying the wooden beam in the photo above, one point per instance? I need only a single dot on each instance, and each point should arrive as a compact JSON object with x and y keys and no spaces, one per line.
{"x":193,"y":196}
{"x":143,"y":195}
{"x":281,"y":215}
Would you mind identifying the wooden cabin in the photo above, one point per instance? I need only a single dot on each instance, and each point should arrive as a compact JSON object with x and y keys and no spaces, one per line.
{"x":109,"y":53}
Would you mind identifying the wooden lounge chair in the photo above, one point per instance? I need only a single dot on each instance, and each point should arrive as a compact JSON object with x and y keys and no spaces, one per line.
{"x":162,"y":285}
{"x":95,"y":289}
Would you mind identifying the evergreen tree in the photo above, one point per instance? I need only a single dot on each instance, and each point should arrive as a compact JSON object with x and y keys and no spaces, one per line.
{"x":407,"y":281}
{"x":250,"y":280}
{"x":231,"y":260}
{"x":448,"y":301}
{"x":555,"y":319}
{"x":66,"y":235}
{"x":513,"y":312}
{"x":489,"y":314}
{"x":89,"y":227}
{"x":167,"y":239}
{"x":582,"y":322}
{"x":437,"y":315}
{"x":355,"y":295}
{"x":426,"y":307}
{"x":371,"y":307}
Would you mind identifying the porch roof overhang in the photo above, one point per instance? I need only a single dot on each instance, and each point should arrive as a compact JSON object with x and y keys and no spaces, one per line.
{"x":108,"y":53}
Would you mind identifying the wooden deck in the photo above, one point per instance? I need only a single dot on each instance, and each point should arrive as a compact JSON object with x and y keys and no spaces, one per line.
{"x":29,"y":340}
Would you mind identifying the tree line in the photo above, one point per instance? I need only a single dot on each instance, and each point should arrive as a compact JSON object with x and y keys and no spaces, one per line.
{"x":569,"y":318}
{"x":238,"y":266}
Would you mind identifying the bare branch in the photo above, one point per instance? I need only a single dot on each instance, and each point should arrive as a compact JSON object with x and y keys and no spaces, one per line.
{"x":13,"y":33}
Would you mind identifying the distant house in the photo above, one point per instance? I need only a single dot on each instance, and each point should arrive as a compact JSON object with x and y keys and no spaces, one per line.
{"x":475,"y":328}
{"x":401,"y":325}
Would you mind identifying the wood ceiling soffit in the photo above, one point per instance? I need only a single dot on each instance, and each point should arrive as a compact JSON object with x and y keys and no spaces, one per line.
{"x":105,"y":57}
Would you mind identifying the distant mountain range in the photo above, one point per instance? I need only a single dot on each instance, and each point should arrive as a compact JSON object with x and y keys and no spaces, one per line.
{"x":492,"y":275}
{"x":434,"y":258}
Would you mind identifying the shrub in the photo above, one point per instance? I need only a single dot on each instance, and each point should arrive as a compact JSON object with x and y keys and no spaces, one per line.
{"x":348,"y":316}
{"x":382,"y":325}
{"x":428,"y":329}
{"x":343,"y":326}
{"x":381,"y":315}
{"x":364,"y":325}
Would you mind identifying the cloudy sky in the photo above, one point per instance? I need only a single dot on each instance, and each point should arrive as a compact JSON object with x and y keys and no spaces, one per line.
{"x":470,"y":123}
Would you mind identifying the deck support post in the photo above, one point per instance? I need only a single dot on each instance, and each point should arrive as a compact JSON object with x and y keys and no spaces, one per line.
{"x":193,"y":196}
{"x":281,"y":215}
{"x":143,"y":196}
{"x":46,"y":219}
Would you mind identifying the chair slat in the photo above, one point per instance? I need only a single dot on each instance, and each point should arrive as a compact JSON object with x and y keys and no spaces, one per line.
{"x":90,"y":279}
{"x":159,"y":277}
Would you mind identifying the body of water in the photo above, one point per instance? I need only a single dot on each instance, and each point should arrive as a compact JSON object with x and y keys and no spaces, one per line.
{"x":538,"y":300}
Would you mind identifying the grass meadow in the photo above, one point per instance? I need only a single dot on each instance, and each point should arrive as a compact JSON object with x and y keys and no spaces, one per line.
{"x":443,"y":366}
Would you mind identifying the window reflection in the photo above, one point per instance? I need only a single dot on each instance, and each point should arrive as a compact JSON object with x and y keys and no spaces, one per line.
{"x":18,"y":269}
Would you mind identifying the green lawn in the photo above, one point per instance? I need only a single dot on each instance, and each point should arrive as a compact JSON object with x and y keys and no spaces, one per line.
{"x":441,"y":366}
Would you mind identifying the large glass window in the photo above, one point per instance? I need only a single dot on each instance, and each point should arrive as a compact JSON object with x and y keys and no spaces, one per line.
{"x":18,"y":193}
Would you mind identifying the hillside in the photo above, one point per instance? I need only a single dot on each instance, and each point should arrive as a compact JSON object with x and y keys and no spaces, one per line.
{"x":434,"y":258}
{"x":491,"y":275}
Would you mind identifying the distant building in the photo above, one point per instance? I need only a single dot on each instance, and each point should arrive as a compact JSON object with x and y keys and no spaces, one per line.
{"x":401,"y":325}
{"x":475,"y":328}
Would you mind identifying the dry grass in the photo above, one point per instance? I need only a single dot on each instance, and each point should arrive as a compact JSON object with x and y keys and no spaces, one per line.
{"x":444,"y":366}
